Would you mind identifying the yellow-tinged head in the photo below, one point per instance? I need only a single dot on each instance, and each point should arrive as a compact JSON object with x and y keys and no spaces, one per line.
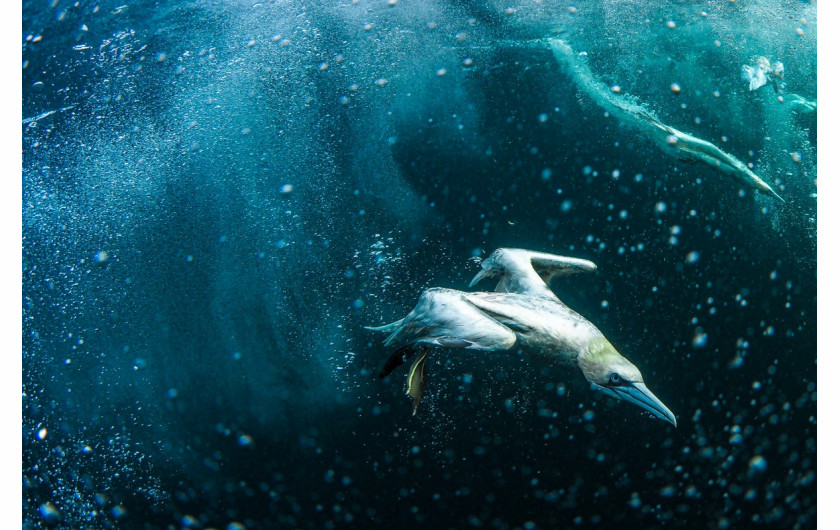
{"x":609,"y":372}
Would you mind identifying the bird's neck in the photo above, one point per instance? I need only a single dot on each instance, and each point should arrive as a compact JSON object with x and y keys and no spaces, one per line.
{"x":592,"y":357}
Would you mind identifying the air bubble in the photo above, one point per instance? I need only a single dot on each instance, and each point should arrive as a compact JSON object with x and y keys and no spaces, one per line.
{"x":50,"y":514}
{"x":757,"y":466}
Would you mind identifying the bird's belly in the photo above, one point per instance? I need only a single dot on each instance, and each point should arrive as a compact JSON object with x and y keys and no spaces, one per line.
{"x":557,"y":337}
{"x":558,"y":343}
{"x":544,"y":327}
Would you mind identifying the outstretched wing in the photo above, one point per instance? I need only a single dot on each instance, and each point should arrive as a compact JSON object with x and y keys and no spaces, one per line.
{"x":527,"y":272}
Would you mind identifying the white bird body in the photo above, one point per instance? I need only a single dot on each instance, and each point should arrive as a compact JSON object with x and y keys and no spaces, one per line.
{"x":543,"y":326}
{"x":523,"y":314}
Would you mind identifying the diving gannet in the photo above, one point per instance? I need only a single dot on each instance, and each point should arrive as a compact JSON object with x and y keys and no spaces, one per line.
{"x":523,"y":313}
{"x":670,"y":140}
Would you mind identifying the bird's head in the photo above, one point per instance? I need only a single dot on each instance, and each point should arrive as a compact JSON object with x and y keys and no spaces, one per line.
{"x":608,"y":371}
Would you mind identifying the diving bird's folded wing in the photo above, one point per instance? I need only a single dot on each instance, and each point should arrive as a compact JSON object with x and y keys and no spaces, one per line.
{"x":527,"y":272}
{"x":445,"y":318}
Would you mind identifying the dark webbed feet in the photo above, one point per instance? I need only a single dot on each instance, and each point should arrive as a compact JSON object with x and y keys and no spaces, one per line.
{"x":416,"y":380}
{"x":398,"y":358}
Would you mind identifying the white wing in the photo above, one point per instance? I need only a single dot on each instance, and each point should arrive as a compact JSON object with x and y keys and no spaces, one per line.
{"x":528,"y":272}
{"x":444,"y":317}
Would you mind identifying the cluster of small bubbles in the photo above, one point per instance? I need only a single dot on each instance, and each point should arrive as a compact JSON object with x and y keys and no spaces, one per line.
{"x":675,"y":231}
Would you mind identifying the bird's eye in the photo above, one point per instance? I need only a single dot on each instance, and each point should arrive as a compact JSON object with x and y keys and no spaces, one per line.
{"x":615,"y":379}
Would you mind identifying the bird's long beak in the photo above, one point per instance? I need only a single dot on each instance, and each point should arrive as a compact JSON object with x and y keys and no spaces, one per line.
{"x":638,"y":394}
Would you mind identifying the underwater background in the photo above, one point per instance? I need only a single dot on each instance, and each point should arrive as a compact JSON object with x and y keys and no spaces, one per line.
{"x":219,"y":195}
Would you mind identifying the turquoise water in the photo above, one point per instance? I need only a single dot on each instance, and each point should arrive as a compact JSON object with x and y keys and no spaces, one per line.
{"x":218,"y":196}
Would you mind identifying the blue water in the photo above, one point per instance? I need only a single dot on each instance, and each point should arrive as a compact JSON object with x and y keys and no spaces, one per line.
{"x":219,"y":195}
